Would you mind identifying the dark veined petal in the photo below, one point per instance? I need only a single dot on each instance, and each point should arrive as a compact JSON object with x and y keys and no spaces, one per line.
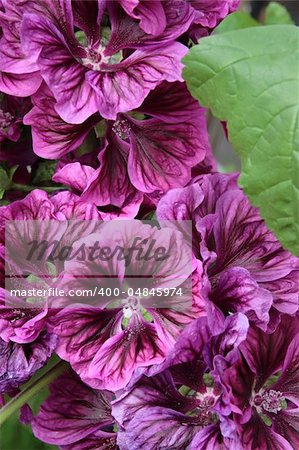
{"x":72,"y":412}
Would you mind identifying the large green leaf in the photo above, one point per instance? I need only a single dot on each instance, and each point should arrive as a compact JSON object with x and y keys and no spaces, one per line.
{"x":236,"y":21}
{"x":250,"y":78}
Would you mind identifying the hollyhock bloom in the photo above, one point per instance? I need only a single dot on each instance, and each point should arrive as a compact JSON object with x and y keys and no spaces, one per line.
{"x":263,"y":388}
{"x":21,"y":321}
{"x":177,"y":405}
{"x":75,"y":417}
{"x":145,"y":156}
{"x":88,"y":73}
{"x":19,"y":362}
{"x":246,"y":268}
{"x":108,"y":337}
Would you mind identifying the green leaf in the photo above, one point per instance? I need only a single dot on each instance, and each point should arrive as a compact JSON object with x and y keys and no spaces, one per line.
{"x":236,"y":21}
{"x":4,"y":181}
{"x":277,"y":14}
{"x":45,"y":171}
{"x":250,"y":79}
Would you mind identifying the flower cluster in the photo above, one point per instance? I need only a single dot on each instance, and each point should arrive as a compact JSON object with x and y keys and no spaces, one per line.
{"x":95,"y":116}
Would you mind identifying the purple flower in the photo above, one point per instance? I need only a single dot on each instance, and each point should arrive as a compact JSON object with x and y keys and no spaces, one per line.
{"x":20,"y":362}
{"x":178,"y":405}
{"x":156,"y":17}
{"x":245,"y":267}
{"x":88,"y":72}
{"x":145,"y":156}
{"x":263,"y":386}
{"x":107,"y":339}
{"x":74,"y":416}
{"x":155,"y":154}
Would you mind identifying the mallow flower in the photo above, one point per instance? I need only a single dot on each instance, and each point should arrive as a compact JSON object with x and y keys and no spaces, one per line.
{"x":263,"y":387}
{"x":147,"y":151}
{"x":95,"y":69}
{"x":135,"y":316}
{"x":177,"y":405}
{"x":245,"y":267}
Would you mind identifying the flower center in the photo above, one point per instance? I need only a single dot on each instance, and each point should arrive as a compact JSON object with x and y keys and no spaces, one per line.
{"x":5,"y":119}
{"x":204,"y":404}
{"x":95,"y":52}
{"x":131,"y":306}
{"x":271,"y":401}
{"x":122,"y":128}
{"x":93,"y":58}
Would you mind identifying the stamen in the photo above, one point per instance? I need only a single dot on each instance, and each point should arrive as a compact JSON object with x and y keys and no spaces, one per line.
{"x":271,"y":401}
{"x":122,"y":128}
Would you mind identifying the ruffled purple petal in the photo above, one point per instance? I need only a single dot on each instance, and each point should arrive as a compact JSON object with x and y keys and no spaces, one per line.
{"x":20,"y":85}
{"x":52,"y":137}
{"x":122,"y":87}
{"x":72,"y":412}
{"x":150,"y":14}
{"x":20,"y":362}
{"x":59,"y":68}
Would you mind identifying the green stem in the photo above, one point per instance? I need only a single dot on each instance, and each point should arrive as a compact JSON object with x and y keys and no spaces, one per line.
{"x":24,"y":396}
{"x":25,"y":188}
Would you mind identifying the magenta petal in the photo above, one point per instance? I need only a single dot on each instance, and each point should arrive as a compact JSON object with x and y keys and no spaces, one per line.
{"x":172,"y":103}
{"x":20,"y":85}
{"x":122,"y":87}
{"x":288,"y":382}
{"x":287,"y":425}
{"x":150,"y":14}
{"x":237,"y":291}
{"x":210,"y":438}
{"x":256,"y":435}
{"x":258,"y":349}
{"x":147,"y":392}
{"x":162,"y":154}
{"x":52,"y":137}
{"x":72,"y":412}
{"x":60,"y":69}
{"x":127,"y":33}
{"x":136,"y":346}
{"x":75,"y":175}
{"x":100,"y":440}
{"x":81,"y":333}
{"x":110,"y":184}
{"x":209,"y":12}
{"x":18,"y":362}
{"x":157,"y":427}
